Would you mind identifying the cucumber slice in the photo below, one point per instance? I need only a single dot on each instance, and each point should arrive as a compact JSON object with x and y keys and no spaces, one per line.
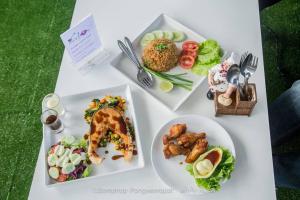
{"x":147,"y":38}
{"x":59,"y":150}
{"x":168,"y":35}
{"x":53,"y":172}
{"x":52,"y":159}
{"x":75,"y":158}
{"x":68,"y":168}
{"x":83,"y":156}
{"x":65,"y":161}
{"x":62,"y":161}
{"x":64,"y":158}
{"x":179,"y":36}
{"x":67,"y":153}
{"x":158,"y":34}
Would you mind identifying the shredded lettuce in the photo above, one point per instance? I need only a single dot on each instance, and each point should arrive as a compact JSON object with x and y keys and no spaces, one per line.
{"x":221,"y":173}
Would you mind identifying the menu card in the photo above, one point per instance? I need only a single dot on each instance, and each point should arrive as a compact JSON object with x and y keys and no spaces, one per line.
{"x":82,"y":39}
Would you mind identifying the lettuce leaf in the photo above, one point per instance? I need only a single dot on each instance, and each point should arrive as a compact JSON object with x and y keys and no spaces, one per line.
{"x":202,"y":69}
{"x":222,"y":172}
{"x":209,"y":54}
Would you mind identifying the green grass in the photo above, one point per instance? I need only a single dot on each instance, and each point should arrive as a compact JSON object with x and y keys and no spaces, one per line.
{"x":30,"y":56}
{"x":284,"y":20}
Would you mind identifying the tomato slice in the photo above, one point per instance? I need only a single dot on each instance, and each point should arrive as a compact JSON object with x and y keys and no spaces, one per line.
{"x":53,"y":149}
{"x":186,"y":61}
{"x":190,"y":45}
{"x":62,"y":177}
{"x":189,"y":53}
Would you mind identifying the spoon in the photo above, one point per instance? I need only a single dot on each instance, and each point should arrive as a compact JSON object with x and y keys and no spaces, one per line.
{"x":233,"y":78}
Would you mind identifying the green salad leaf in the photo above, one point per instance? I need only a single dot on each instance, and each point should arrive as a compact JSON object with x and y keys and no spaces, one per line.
{"x":221,"y":173}
{"x":209,"y":55}
{"x":87,"y":171}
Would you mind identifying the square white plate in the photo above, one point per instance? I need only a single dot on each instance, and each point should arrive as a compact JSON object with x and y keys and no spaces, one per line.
{"x":75,"y":124}
{"x":174,"y":99}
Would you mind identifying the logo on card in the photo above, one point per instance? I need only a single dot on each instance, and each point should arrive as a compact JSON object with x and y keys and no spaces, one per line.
{"x":78,"y":35}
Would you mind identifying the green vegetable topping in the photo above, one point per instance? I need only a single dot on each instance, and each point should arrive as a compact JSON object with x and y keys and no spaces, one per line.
{"x":161,"y":47}
{"x":175,"y":79}
{"x":87,"y":171}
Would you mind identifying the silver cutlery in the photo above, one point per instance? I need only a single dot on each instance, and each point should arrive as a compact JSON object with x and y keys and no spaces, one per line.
{"x":232,"y":77}
{"x":245,"y":62}
{"x":250,"y":70}
{"x":143,"y":77}
{"x":243,"y":57}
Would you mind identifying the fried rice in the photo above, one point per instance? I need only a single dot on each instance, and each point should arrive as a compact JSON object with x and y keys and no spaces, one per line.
{"x":160,"y":55}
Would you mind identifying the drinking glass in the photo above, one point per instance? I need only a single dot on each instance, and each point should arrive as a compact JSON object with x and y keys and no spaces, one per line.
{"x":51,"y":120}
{"x":52,"y":101}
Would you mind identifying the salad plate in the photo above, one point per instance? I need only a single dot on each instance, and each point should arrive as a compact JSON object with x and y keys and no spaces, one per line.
{"x":75,"y":125}
{"x":165,"y":24}
{"x":174,"y":171}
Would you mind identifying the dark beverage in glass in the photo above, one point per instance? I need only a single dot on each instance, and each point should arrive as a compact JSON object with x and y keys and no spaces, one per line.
{"x":51,"y":120}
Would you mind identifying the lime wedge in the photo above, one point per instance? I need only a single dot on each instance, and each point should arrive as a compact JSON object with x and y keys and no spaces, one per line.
{"x":166,"y":86}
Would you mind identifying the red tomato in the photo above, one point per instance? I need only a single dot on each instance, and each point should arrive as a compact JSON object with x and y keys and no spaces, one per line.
{"x":186,"y":61}
{"x":190,"y":45}
{"x":189,"y":53}
{"x":62,"y":177}
{"x":53,"y":148}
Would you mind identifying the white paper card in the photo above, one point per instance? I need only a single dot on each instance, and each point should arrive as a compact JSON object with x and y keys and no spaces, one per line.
{"x":82,"y":39}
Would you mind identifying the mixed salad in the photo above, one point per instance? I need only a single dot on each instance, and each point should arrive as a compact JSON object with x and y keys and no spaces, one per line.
{"x":67,"y":160}
{"x":209,"y":176}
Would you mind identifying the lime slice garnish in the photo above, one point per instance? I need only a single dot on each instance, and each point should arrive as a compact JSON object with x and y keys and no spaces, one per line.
{"x":166,"y":86}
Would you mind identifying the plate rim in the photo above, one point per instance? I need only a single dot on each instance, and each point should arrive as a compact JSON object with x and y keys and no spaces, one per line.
{"x":160,"y":129}
{"x":128,"y":92}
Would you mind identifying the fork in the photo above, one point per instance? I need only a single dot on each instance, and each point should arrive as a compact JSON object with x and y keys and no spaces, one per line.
{"x":249,"y":70}
{"x":243,"y":57}
{"x":143,"y":77}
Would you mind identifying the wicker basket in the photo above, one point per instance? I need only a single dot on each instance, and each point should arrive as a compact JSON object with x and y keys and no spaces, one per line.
{"x":237,"y":107}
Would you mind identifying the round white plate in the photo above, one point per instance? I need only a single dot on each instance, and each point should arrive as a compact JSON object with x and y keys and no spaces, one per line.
{"x":171,"y":171}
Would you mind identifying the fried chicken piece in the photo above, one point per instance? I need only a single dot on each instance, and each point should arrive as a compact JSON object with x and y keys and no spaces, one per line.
{"x":175,"y":131}
{"x":189,"y":138}
{"x":172,"y":149}
{"x":199,"y":148}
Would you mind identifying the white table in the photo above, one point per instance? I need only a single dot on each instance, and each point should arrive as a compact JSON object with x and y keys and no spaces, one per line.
{"x":235,"y":24}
